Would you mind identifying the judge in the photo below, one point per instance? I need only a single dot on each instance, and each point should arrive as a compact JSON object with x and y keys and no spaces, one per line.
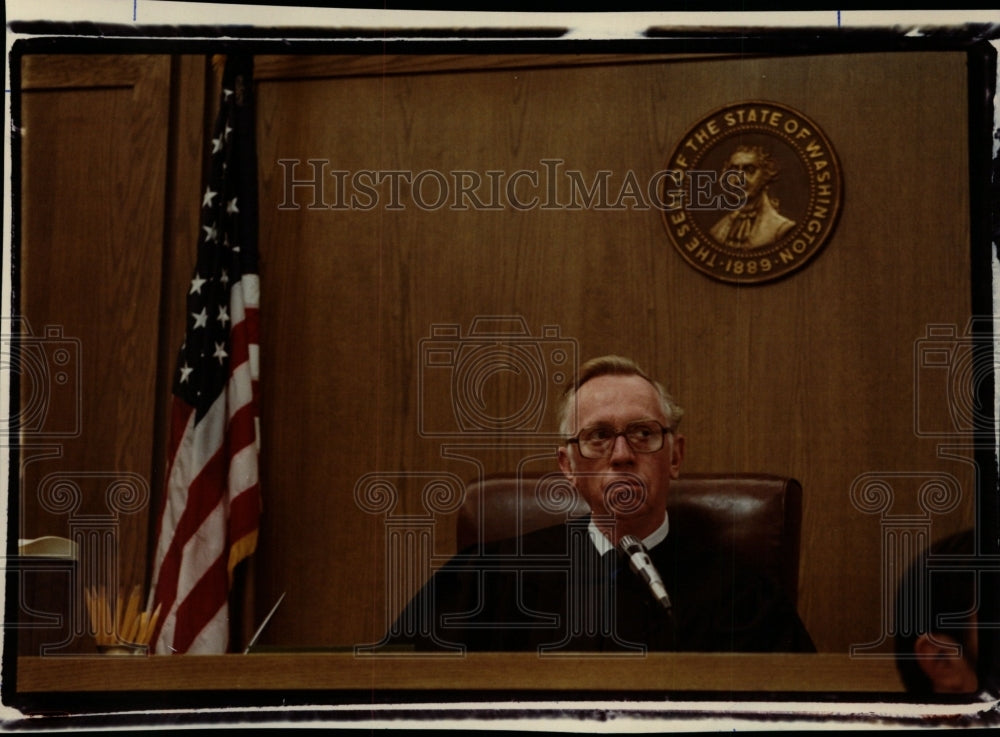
{"x":567,"y":588}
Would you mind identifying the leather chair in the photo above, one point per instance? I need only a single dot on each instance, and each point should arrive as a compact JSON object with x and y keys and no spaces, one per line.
{"x":760,"y":515}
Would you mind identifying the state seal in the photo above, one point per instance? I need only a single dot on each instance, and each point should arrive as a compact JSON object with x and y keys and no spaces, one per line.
{"x":751,"y":192}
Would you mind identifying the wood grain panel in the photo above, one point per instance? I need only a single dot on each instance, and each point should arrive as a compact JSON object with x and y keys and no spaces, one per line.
{"x":356,"y":65}
{"x":75,"y":71}
{"x":94,"y":135}
{"x":812,"y":376}
{"x":654,"y":673}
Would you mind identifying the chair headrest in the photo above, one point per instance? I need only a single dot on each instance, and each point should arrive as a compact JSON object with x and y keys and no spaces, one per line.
{"x":759,"y":515}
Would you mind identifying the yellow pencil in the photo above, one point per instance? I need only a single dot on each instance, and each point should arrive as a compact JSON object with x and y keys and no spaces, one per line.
{"x":131,"y":611}
{"x":152,"y":622}
{"x":118,"y":611}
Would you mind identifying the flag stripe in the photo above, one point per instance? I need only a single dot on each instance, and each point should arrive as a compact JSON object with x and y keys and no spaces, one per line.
{"x":181,"y":416}
{"x":204,"y":492}
{"x":241,"y":395}
{"x":241,"y":434}
{"x":216,"y":630}
{"x":206,"y":596}
{"x":244,"y":508}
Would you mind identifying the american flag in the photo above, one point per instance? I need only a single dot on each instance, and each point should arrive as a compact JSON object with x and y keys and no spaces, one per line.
{"x":209,"y":519}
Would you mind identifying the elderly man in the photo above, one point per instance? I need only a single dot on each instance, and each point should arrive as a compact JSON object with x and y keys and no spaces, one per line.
{"x":624,"y":475}
{"x":567,"y":588}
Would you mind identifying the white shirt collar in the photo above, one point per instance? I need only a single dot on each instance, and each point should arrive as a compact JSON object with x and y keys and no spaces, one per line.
{"x":603,"y":545}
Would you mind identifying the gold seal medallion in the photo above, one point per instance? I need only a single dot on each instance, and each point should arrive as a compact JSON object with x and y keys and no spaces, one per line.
{"x":751,"y":193}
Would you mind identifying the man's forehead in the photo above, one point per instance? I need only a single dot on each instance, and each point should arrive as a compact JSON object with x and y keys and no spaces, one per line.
{"x":609,"y":394}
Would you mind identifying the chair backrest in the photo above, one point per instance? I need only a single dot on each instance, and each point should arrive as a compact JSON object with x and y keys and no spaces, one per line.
{"x":759,"y":515}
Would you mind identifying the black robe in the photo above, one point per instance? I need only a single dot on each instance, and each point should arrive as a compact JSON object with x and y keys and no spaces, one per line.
{"x":550,"y":591}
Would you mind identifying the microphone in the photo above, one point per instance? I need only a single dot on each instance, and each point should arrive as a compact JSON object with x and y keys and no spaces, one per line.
{"x":639,"y":562}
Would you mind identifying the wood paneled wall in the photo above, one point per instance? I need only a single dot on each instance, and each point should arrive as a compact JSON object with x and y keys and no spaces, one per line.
{"x":812,"y":376}
{"x":94,"y":135}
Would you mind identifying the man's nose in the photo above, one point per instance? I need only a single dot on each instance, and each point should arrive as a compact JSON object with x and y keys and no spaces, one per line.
{"x":621,"y":451}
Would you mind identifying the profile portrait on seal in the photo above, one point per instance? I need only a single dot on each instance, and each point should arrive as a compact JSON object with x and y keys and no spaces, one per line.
{"x":757,"y":223}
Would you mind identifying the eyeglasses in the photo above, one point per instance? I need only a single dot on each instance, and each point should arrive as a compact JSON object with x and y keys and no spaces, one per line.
{"x":642,"y":437}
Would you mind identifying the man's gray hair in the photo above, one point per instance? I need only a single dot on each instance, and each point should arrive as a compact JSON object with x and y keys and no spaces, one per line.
{"x":613,"y":366}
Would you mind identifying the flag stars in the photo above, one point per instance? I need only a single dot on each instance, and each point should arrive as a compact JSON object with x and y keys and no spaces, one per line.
{"x":196,"y":284}
{"x":223,"y":314}
{"x":185,"y":372}
{"x":216,"y":145}
{"x":220,"y":352}
{"x":211,"y":233}
{"x":231,"y":206}
{"x":206,"y":201}
{"x":200,"y":319}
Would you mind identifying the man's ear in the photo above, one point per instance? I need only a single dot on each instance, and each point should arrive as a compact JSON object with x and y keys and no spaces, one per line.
{"x":564,"y":463}
{"x":940,"y":659}
{"x":677,"y":455}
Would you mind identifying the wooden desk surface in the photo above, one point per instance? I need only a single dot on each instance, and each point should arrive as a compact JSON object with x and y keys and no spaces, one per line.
{"x":825,"y":672}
